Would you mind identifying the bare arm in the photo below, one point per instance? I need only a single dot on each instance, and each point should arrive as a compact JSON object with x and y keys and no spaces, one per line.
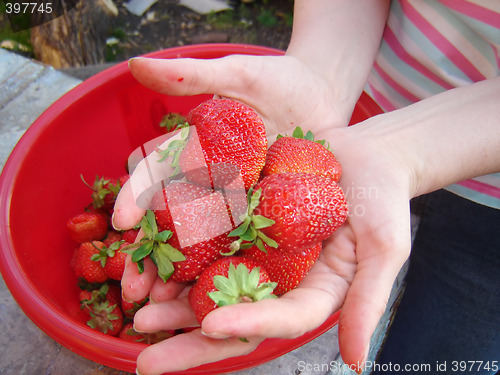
{"x":338,"y":40}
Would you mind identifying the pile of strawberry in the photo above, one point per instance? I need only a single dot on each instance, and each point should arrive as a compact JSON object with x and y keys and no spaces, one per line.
{"x":239,"y":222}
{"x":98,"y":262}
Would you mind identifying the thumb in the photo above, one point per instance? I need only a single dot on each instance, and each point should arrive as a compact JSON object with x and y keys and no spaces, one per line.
{"x":367,"y":297}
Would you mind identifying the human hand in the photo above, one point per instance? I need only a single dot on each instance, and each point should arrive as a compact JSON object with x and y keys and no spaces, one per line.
{"x":282,"y":90}
{"x":355,"y":271}
{"x":358,"y":263}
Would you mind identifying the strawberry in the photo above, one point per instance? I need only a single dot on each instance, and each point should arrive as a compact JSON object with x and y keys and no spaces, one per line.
{"x":112,"y":236}
{"x":154,"y":244}
{"x":200,"y":221}
{"x":172,"y":121}
{"x":104,"y":192}
{"x":130,"y":235}
{"x":104,"y":312}
{"x":228,"y":139}
{"x":301,"y":153}
{"x":294,"y":211}
{"x":228,"y":281}
{"x":111,"y":258}
{"x":286,"y":269}
{"x":88,"y":226}
{"x":129,"y":308}
{"x":115,"y":262}
{"x":85,"y":267}
{"x":128,"y":333}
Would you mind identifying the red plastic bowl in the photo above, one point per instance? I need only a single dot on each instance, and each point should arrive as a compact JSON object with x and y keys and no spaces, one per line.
{"x":92,"y":130}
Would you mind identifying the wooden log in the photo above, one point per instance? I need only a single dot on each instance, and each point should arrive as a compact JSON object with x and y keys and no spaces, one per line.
{"x":77,"y":37}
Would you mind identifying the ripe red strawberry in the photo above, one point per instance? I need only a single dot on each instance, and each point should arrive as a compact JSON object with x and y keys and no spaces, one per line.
{"x":104,"y":192}
{"x":88,"y":226}
{"x":111,"y":237}
{"x":129,"y":308}
{"x":228,"y":281}
{"x":102,"y":308}
{"x":301,"y":153}
{"x":294,"y":211}
{"x":112,"y":258}
{"x":286,"y":269}
{"x":233,"y":140}
{"x":200,"y":222}
{"x":115,"y":261}
{"x":128,"y":333}
{"x":85,"y":267}
{"x":130,"y":235}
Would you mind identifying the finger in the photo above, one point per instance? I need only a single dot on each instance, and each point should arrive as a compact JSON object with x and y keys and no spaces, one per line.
{"x":367,"y":297}
{"x":174,"y":314}
{"x":149,"y":173}
{"x":184,"y":77}
{"x":289,"y":316}
{"x":136,"y":286}
{"x":126,"y":213}
{"x":189,"y":350}
{"x":165,"y":291}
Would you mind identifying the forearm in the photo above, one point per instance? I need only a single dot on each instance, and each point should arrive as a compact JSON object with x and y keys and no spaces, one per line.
{"x":339,"y":40}
{"x":444,"y":139}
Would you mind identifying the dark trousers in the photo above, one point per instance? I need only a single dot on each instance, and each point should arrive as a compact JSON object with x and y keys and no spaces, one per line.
{"x":449,"y":315}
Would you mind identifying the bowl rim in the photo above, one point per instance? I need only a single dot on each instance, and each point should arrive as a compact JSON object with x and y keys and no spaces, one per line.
{"x":42,"y":311}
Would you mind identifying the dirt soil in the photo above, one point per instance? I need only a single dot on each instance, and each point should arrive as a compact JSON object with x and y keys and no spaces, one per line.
{"x":168,"y":24}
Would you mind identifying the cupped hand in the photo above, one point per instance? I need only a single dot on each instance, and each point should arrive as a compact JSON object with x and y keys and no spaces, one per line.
{"x":355,"y":272}
{"x":359,"y":261}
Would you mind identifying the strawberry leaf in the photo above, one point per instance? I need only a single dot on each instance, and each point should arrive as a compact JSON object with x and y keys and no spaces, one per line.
{"x":142,"y":251}
{"x":249,"y":230}
{"x":163,"y":236}
{"x":170,"y":252}
{"x":241,"y":285}
{"x":154,"y":245}
{"x":260,"y":222}
{"x":298,"y":133}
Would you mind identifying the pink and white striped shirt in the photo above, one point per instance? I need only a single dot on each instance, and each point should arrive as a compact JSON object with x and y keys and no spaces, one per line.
{"x":430,"y":46}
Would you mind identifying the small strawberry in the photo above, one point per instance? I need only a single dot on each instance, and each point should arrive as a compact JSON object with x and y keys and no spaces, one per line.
{"x":172,"y":121}
{"x":115,"y":262}
{"x":104,"y":312}
{"x":85,"y":267}
{"x":286,"y":269}
{"x":294,"y":211}
{"x":129,"y":308}
{"x":301,"y":153}
{"x":200,"y":221}
{"x":104,"y":192}
{"x":112,"y":236}
{"x":88,"y":226}
{"x":228,"y":281}
{"x":130,"y":235}
{"x":229,"y":139}
{"x":112,"y":258}
{"x":128,"y":333}
{"x":154,"y":244}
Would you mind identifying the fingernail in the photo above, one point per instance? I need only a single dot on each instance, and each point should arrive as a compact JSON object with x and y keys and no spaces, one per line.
{"x":361,"y":365}
{"x":113,"y":221}
{"x":215,"y":335}
{"x":134,"y":58}
{"x":137,"y":372}
{"x":137,"y":330}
